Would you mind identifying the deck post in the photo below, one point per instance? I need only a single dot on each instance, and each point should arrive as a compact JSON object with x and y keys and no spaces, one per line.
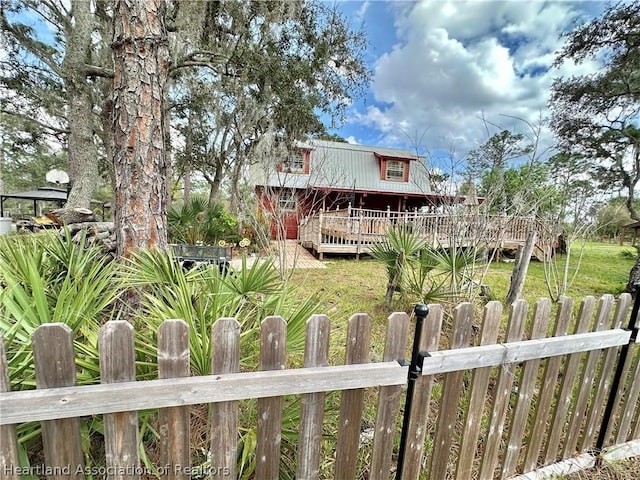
{"x":359,"y":244}
{"x":319,"y":249}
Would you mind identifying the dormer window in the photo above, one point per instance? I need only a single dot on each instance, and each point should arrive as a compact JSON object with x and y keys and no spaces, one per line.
{"x":395,"y":170}
{"x":296,"y":162}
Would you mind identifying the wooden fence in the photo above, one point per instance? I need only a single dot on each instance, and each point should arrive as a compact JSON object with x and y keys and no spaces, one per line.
{"x":354,"y":230}
{"x":510,"y":404}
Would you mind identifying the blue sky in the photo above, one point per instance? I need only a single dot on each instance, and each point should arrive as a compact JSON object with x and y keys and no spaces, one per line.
{"x":440,"y":66}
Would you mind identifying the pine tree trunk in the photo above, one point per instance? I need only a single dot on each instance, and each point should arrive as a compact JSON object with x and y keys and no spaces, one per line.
{"x":142,"y":170}
{"x":83,"y":157}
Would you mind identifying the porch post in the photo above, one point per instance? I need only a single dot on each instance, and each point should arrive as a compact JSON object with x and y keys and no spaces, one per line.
{"x":320,"y":234}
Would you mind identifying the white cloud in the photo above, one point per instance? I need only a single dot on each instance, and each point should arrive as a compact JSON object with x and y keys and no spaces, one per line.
{"x":458,"y":60}
{"x":362,"y":11}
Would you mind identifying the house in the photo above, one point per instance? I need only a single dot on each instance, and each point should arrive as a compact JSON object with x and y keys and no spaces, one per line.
{"x":320,"y":175}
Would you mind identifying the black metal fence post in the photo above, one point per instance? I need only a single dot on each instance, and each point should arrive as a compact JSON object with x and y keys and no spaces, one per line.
{"x":615,"y":385}
{"x":421,"y":311}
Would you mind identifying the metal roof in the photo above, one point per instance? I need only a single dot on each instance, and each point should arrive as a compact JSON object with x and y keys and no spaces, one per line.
{"x":42,"y":193}
{"x":343,"y":166}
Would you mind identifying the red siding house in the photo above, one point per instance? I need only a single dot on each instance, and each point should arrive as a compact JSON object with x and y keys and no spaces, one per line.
{"x":321,"y":175}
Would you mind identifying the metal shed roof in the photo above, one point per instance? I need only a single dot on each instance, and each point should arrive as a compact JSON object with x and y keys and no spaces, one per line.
{"x":42,"y":193}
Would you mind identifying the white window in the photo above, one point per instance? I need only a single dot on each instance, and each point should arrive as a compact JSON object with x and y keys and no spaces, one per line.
{"x":395,"y":170}
{"x":294,"y":163}
{"x":287,"y":199}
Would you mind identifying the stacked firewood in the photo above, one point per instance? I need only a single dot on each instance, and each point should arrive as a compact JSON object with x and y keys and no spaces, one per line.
{"x":97,"y":233}
{"x":82,"y":221}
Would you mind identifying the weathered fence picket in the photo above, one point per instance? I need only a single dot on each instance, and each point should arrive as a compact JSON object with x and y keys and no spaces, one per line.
{"x":273,"y":356}
{"x":175,"y":428}
{"x":352,"y":402}
{"x":316,"y":354}
{"x":8,"y":439}
{"x":225,"y":358}
{"x":621,"y":312}
{"x":506,"y":379}
{"x":629,"y":407}
{"x":117,"y":364}
{"x":492,"y":321}
{"x":545,"y":400}
{"x":55,"y":367}
{"x":389,"y":400}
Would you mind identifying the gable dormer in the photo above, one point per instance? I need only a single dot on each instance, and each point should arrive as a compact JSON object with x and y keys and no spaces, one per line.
{"x":296,"y":162}
{"x":394,"y":169}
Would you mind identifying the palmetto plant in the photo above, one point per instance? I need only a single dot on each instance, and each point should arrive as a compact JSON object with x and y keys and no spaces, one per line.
{"x":198,"y":221}
{"x":201,"y":296}
{"x":52,"y":279}
{"x":48,"y":278}
{"x":399,"y":251}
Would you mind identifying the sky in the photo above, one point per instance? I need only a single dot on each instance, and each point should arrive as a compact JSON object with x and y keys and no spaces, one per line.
{"x":442,"y":66}
{"x":439,"y":67}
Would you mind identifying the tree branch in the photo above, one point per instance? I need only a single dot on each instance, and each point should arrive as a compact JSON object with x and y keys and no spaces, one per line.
{"x":96,"y":71}
{"x":28,"y":119}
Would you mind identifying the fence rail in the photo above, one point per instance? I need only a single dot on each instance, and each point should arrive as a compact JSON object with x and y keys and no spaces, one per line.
{"x":545,"y":402}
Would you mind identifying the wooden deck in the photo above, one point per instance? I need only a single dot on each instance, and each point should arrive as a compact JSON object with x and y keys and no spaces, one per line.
{"x":353,"y":231}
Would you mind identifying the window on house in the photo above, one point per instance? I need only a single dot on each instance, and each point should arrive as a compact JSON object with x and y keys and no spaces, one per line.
{"x":395,"y":170}
{"x":287,"y":199}
{"x":294,"y":163}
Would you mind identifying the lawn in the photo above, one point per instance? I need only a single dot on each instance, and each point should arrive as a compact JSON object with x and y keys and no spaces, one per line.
{"x":349,"y":286}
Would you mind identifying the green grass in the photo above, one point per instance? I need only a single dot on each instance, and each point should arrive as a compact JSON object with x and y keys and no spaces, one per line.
{"x":349,"y":286}
{"x":603,"y":269}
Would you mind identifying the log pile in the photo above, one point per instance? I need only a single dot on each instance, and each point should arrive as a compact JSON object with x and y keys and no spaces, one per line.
{"x":82,"y":221}
{"x":98,"y":233}
{"x":67,"y":216}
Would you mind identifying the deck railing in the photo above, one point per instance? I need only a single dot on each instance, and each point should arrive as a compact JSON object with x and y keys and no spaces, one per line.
{"x":355,"y":229}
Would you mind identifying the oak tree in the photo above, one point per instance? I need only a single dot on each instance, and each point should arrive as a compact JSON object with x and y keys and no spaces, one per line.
{"x":595,"y":116}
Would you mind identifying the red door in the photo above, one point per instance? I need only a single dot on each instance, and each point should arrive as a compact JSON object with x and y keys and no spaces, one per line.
{"x":289,"y":225}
